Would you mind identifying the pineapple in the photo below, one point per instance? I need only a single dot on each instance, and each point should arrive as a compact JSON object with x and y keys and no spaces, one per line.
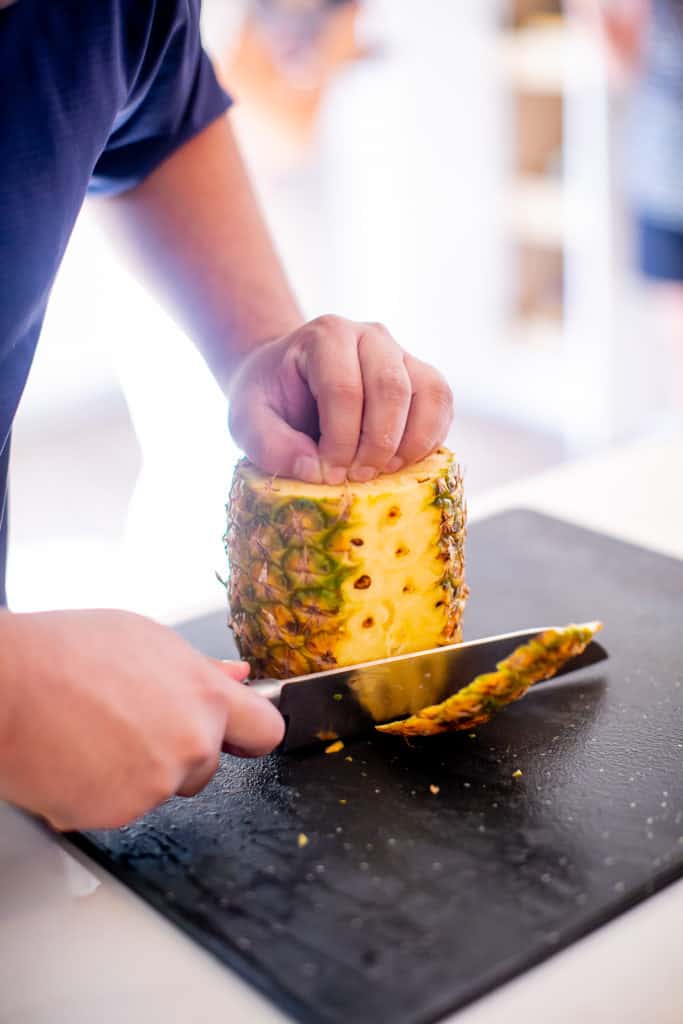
{"x":474,"y":705}
{"x":324,"y":576}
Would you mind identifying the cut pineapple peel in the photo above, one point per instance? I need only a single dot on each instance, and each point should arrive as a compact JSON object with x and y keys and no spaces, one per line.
{"x":475,"y":704}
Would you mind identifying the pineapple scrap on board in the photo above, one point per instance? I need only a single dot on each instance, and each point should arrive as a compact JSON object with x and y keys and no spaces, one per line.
{"x":538,"y":659}
{"x":324,"y":576}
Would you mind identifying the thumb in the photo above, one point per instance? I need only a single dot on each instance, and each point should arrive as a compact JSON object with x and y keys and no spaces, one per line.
{"x":275,"y":447}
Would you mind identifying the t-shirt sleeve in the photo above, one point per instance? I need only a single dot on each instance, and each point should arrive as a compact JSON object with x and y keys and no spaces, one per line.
{"x":174,"y":96}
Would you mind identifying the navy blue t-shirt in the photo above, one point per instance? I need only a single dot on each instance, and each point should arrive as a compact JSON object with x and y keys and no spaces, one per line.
{"x":94,"y":94}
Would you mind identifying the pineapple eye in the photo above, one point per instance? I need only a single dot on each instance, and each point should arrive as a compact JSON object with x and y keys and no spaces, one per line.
{"x":300,"y":518}
{"x":369,"y":622}
{"x":307,"y":567}
{"x":409,"y":589}
{"x":400,"y":551}
{"x":362,"y":583}
{"x":357,"y":542}
{"x":439,"y":604}
{"x":394,"y":512}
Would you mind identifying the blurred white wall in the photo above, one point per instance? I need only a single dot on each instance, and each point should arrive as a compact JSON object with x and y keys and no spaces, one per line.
{"x":394,"y":214}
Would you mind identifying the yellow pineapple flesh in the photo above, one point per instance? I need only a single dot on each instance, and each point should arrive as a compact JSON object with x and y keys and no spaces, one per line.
{"x":323,"y":576}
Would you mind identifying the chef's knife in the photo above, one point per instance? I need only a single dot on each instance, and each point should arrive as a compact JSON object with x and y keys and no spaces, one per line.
{"x":345,"y":702}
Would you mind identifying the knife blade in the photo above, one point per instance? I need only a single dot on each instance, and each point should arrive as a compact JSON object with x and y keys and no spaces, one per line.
{"x":346,"y":702}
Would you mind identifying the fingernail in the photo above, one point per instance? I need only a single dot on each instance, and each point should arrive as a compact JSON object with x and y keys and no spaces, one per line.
{"x":362,"y":473}
{"x":307,"y":468}
{"x":334,"y":475}
{"x":394,"y":464}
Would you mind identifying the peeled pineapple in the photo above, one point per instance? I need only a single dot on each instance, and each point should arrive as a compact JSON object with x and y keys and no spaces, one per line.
{"x":324,"y":576}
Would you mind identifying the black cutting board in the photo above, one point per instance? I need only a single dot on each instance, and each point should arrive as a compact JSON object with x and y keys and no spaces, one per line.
{"x":406,"y":904}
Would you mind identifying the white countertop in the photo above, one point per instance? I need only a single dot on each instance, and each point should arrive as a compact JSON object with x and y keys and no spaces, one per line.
{"x":77,"y":947}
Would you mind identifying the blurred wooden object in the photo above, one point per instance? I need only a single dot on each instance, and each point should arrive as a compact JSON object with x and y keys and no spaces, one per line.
{"x":525,"y":11}
{"x":285,"y":89}
{"x":533,"y":54}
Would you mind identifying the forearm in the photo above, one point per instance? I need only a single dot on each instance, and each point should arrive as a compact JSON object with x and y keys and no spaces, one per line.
{"x":195,"y":231}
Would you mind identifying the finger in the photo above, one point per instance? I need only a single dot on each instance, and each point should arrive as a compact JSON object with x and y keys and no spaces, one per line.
{"x":199,"y":776}
{"x":237,"y":670}
{"x":57,"y":824}
{"x":386,"y":402}
{"x":430,"y":417}
{"x":253,"y":725}
{"x":270,"y":443}
{"x":328,"y":361}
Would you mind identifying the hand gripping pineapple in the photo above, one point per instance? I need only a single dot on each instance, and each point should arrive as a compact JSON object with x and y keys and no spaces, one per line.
{"x":324,"y":576}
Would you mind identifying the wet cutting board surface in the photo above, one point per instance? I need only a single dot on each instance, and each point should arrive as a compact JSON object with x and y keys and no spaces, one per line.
{"x":406,"y":904}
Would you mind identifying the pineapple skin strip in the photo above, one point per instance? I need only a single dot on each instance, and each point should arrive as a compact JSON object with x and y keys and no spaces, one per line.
{"x":474,"y":705}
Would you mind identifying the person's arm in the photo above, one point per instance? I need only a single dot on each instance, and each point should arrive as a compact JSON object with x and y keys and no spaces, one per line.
{"x":195,"y":232}
{"x":318,"y":401}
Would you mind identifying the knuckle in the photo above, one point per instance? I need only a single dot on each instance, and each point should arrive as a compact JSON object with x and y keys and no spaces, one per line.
{"x":422,"y":444}
{"x":393,"y":385}
{"x":383,"y":444}
{"x":200,"y":748}
{"x":379,"y":328}
{"x":162,"y":784}
{"x":122,"y":814}
{"x":328,"y":322}
{"x":346,"y":391}
{"x":64,"y":823}
{"x":440,"y":395}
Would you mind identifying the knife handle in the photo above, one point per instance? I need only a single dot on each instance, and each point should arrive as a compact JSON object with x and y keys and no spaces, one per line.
{"x":268,"y":688}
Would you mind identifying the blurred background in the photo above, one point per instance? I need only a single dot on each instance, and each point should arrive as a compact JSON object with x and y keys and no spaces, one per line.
{"x":460,"y":171}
